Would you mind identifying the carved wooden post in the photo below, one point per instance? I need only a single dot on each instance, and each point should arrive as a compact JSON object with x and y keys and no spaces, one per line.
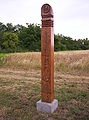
{"x":48,"y":103}
{"x":47,"y":54}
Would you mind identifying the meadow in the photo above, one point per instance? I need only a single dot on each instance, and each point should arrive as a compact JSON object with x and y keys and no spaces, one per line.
{"x":20,"y":86}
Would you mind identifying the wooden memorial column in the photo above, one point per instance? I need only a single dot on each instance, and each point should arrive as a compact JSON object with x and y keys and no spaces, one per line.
{"x":47,"y":102}
{"x":47,"y":54}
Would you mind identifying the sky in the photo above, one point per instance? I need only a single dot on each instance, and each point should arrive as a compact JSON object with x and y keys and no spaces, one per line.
{"x":71,"y":17}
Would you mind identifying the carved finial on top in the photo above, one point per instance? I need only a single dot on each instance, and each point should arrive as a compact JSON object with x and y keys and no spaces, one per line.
{"x":46,"y":11}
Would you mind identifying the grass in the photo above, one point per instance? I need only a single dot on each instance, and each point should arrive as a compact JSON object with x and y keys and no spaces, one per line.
{"x":2,"y":57}
{"x":75,"y":62}
{"x":20,"y":87}
{"x":72,"y":62}
{"x":26,"y":61}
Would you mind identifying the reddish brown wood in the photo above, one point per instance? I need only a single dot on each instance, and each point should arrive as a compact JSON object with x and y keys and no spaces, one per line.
{"x":47,"y":54}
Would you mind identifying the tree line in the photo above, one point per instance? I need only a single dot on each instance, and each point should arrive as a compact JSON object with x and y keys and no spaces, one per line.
{"x":19,"y":38}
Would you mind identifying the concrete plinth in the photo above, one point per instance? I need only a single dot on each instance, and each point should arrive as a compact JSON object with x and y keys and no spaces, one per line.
{"x":47,"y":107}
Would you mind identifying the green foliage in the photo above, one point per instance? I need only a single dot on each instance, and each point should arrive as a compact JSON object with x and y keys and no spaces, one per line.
{"x":28,"y":38}
{"x":2,"y":30}
{"x":9,"y":27}
{"x":9,"y":42}
{"x":74,"y":44}
{"x":58,"y":46}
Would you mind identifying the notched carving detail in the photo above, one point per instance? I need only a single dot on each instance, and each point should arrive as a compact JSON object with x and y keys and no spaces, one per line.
{"x":47,"y":23}
{"x":46,"y":63}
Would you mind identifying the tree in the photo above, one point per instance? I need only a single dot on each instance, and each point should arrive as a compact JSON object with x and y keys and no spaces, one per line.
{"x":2,"y":30}
{"x":10,"y":27}
{"x":30,"y":37}
{"x":9,"y":42}
{"x":58,"y":46}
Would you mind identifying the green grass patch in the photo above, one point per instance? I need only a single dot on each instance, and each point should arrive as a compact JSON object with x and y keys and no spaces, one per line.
{"x":2,"y":55}
{"x":2,"y":58}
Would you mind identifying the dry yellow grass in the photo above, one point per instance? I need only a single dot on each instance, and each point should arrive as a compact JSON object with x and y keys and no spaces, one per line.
{"x":74,"y":61}
{"x":29,"y":60}
{"x":70,"y":62}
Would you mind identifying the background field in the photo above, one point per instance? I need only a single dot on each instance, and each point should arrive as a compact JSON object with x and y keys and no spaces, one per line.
{"x":20,"y":86}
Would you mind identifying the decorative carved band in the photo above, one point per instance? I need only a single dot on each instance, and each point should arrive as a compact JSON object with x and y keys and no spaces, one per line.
{"x":47,"y":16}
{"x":47,"y":23}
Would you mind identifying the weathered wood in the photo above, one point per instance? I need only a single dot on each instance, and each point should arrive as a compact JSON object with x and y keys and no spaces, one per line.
{"x":47,"y":54}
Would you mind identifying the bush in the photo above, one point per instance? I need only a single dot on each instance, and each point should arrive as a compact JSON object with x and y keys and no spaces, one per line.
{"x":9,"y":42}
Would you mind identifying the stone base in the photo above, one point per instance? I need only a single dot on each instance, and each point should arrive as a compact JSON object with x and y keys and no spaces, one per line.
{"x":47,"y":107}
